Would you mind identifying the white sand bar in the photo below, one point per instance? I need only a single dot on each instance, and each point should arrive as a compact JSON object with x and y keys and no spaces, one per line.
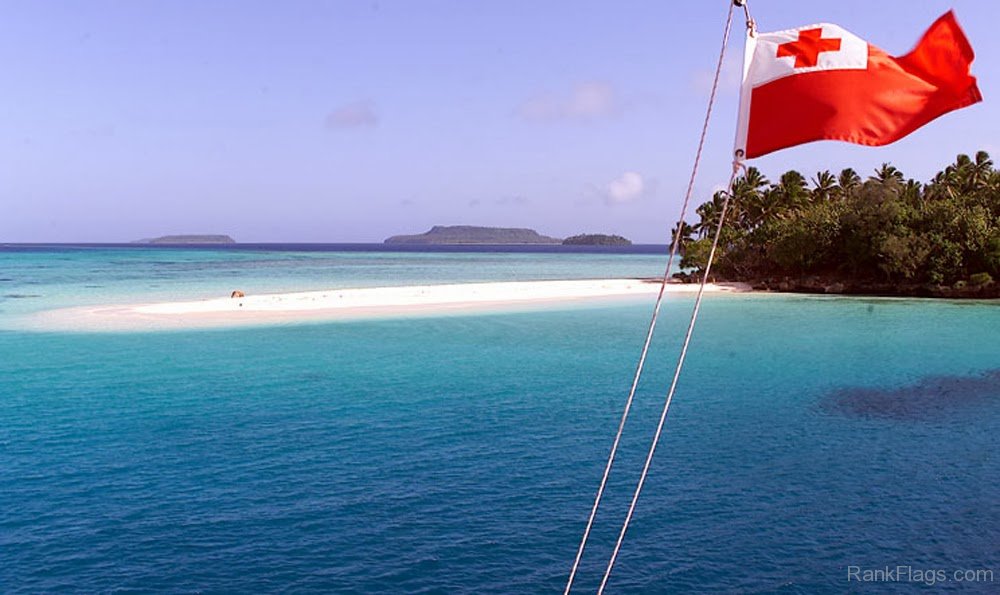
{"x":341,"y":304}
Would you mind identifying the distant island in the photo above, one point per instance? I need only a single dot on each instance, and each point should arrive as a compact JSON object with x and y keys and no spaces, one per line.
{"x":596,"y":239}
{"x":188,"y":239}
{"x":841,"y":234}
{"x":470,"y":234}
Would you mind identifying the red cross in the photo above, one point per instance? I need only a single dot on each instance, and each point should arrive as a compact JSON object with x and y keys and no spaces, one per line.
{"x":808,"y":47}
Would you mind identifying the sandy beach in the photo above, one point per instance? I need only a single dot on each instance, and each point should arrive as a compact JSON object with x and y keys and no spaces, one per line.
{"x":349,"y":304}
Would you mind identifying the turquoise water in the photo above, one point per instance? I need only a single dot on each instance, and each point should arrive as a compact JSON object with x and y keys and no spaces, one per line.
{"x":33,"y":279}
{"x":461,"y":454}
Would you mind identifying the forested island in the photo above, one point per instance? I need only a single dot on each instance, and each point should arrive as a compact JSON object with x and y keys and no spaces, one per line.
{"x":189,"y":239}
{"x":471,"y":234}
{"x":596,"y":239}
{"x":884,"y":235}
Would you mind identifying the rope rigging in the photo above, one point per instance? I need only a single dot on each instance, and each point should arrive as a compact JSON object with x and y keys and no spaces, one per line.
{"x":674,"y":247}
{"x":737,"y":165}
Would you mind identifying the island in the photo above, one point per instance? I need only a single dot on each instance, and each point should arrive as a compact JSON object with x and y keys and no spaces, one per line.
{"x":596,"y":239}
{"x":188,"y":239}
{"x":885,"y":235}
{"x":471,"y":234}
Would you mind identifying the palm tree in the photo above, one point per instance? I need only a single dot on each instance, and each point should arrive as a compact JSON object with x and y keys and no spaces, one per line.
{"x":944,"y":183}
{"x":686,"y":231}
{"x":757,"y":209}
{"x":753,"y":181}
{"x":965,"y":176}
{"x":790,"y":192}
{"x":981,"y":170}
{"x":824,"y":186}
{"x":993,"y":183}
{"x":709,"y":212}
{"x":962,"y":172}
{"x":747,"y":191}
{"x":912,"y":193}
{"x":888,"y":175}
{"x":849,"y":181}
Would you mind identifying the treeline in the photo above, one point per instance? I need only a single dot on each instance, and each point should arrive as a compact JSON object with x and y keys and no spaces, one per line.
{"x":597,"y":239}
{"x":884,"y":229}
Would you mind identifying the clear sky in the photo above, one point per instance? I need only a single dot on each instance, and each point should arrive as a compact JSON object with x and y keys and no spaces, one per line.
{"x":344,"y":121}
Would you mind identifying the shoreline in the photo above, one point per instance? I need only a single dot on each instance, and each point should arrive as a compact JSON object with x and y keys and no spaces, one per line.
{"x":819,"y":285}
{"x":352,"y":304}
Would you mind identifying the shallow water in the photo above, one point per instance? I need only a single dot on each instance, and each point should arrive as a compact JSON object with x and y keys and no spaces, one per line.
{"x":461,"y":454}
{"x":34,"y":278}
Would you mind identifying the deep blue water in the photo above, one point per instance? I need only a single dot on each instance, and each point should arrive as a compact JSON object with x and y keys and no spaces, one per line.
{"x":461,"y":454}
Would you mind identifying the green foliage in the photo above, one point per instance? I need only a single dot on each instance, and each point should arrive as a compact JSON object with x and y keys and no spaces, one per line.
{"x":804,"y":243}
{"x":981,"y":279}
{"x":885,"y":228}
{"x":596,"y":239}
{"x":991,"y":254}
{"x":696,"y":254}
{"x":903,"y":256}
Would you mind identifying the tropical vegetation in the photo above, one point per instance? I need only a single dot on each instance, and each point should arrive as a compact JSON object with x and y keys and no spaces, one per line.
{"x":597,"y":239}
{"x":884,"y":229}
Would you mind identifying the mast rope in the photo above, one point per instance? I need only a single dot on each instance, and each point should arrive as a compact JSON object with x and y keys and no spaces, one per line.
{"x":674,"y":246}
{"x":737,"y":166}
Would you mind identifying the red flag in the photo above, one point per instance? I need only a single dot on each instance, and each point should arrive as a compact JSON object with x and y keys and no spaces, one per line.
{"x":821,"y":82}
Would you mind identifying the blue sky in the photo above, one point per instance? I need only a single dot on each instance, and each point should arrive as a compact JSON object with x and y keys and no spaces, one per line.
{"x":346,"y":121}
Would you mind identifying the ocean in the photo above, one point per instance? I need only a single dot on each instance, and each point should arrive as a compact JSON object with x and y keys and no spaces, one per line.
{"x":810,"y":438}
